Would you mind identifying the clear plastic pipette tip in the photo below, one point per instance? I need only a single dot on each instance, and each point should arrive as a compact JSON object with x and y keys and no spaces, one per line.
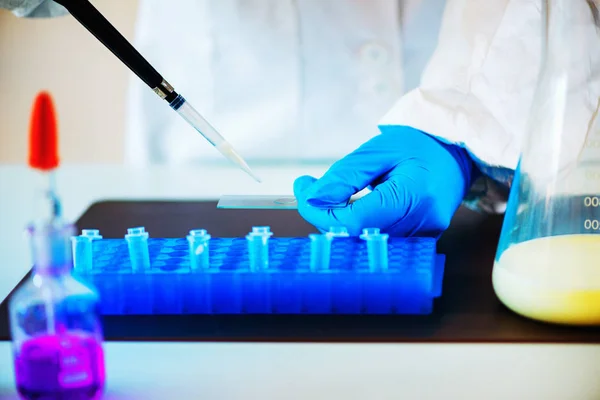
{"x":227,"y":150}
{"x":193,"y":117}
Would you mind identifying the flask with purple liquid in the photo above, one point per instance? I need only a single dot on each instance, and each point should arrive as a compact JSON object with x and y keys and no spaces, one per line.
{"x":55,"y":324}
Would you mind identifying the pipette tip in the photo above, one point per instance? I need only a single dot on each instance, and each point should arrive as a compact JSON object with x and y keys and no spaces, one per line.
{"x":247,"y":168}
{"x":254,"y":176}
{"x":227,"y":150}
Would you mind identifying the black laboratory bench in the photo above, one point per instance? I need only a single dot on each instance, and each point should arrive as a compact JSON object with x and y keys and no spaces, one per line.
{"x":467,"y":312}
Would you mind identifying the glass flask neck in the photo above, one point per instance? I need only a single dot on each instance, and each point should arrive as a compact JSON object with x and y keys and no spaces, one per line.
{"x":46,"y":205}
{"x":51,"y":248}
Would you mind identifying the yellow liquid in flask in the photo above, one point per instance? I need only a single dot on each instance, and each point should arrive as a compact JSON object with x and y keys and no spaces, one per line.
{"x":552,"y":279}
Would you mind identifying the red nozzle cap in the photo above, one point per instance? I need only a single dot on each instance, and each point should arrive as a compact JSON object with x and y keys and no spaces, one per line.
{"x":43,"y":134}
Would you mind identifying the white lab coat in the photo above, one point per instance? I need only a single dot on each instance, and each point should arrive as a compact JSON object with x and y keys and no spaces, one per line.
{"x":310,"y":80}
{"x":282,"y":80}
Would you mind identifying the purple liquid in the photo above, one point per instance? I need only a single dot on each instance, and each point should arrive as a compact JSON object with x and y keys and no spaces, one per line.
{"x":60,"y":367}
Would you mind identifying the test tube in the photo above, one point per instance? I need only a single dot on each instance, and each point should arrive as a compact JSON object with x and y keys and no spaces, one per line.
{"x":82,"y":254}
{"x":136,"y":230}
{"x":83,"y":250}
{"x":258,"y":248}
{"x":338,"y":231}
{"x":370,"y":231}
{"x":377,"y":249}
{"x":93,"y":234}
{"x":320,"y":252}
{"x":137,"y":244}
{"x":198,"y":245}
{"x":260,"y":230}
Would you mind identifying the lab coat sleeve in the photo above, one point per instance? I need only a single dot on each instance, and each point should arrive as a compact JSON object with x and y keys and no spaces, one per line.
{"x":34,"y":8}
{"x":477,"y":88}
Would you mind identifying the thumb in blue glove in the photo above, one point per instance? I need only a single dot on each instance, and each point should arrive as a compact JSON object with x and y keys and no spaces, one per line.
{"x":417,"y":185}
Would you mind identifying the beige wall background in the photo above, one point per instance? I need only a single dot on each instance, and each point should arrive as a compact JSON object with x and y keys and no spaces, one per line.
{"x":60,"y":56}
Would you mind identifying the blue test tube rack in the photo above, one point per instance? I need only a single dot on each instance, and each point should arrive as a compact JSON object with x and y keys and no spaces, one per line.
{"x":329,"y":273}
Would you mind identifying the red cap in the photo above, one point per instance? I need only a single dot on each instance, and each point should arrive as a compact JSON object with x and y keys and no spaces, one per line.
{"x":43,"y":134}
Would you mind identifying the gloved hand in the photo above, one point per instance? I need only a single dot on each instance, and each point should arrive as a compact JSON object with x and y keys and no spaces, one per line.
{"x":417,"y":185}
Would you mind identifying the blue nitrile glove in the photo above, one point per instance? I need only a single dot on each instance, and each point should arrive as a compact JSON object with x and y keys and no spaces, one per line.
{"x":417,"y":185}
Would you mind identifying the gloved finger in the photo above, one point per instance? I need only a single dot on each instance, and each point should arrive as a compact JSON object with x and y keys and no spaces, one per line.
{"x":302,"y":189}
{"x":302,"y":184}
{"x":355,"y":171}
{"x":390,"y":175}
{"x":389,"y":204}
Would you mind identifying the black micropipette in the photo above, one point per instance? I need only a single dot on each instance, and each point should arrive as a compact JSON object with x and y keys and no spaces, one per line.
{"x":84,"y":12}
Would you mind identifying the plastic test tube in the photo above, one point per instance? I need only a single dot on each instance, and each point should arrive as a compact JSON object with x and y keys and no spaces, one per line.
{"x":137,"y":244}
{"x":82,"y":254}
{"x":320,"y":252}
{"x":198,"y":240}
{"x":93,"y":234}
{"x":83,"y":250}
{"x":338,"y":231}
{"x":260,"y":230}
{"x":258,"y":247}
{"x":135,"y":231}
{"x":377,"y":249}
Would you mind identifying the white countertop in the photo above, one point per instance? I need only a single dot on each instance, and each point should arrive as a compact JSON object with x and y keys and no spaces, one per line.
{"x":210,"y":371}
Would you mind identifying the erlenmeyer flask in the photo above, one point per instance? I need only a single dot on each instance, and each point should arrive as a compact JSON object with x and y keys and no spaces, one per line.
{"x":547,"y":265}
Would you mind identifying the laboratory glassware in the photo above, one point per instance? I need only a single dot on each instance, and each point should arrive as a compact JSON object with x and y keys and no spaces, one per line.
{"x":55,"y":324}
{"x":547,"y":265}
